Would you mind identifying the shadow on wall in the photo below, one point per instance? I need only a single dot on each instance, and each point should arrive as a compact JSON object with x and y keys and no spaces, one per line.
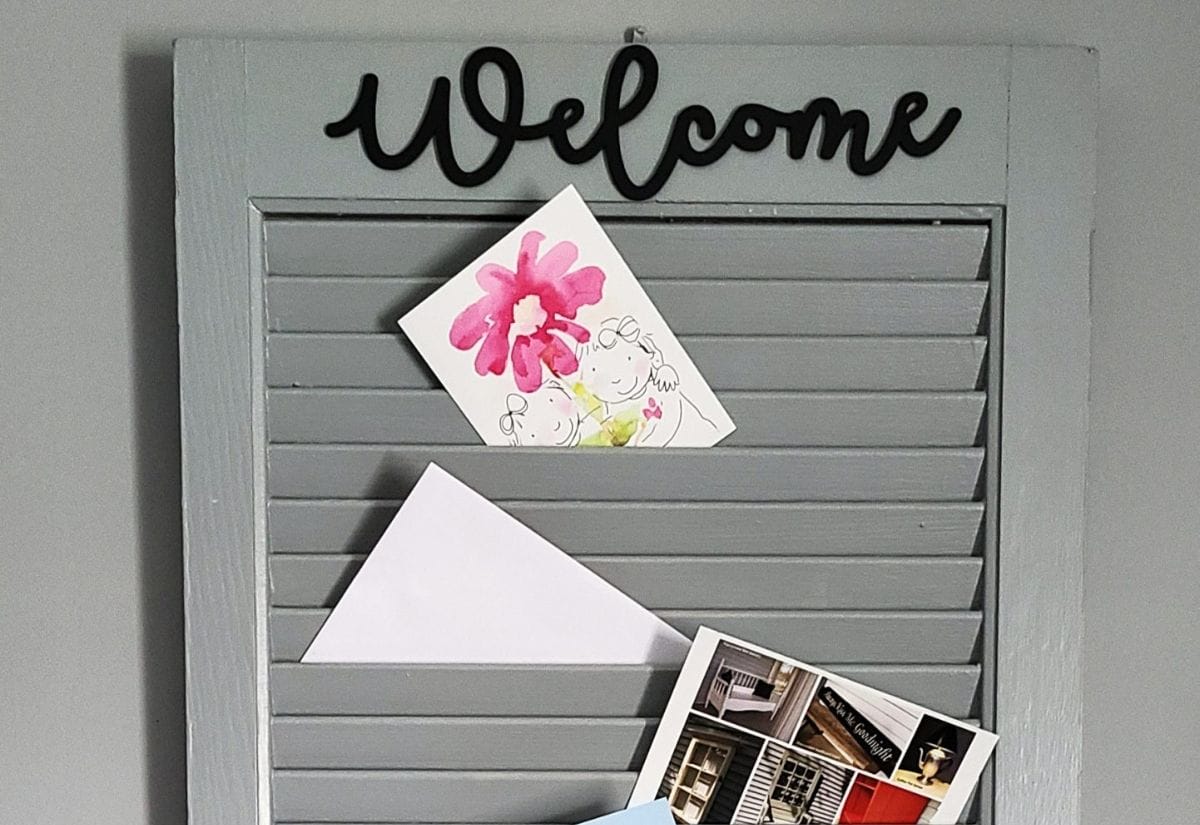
{"x":150,"y":181}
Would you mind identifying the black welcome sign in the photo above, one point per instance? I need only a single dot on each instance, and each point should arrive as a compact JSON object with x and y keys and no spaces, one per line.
{"x":751,"y":127}
{"x":881,"y":749}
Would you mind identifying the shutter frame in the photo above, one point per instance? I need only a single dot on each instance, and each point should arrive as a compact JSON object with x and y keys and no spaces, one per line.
{"x":1040,"y":235}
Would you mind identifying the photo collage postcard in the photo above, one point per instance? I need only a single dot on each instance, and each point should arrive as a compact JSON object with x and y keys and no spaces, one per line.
{"x":548,"y":340}
{"x":750,"y":736}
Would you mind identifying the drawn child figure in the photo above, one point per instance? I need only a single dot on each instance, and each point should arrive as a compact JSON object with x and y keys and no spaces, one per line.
{"x":623,"y":368}
{"x":547,"y":417}
{"x":616,"y":430}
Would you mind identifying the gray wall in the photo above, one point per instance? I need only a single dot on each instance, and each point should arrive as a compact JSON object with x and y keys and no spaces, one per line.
{"x":91,"y":725}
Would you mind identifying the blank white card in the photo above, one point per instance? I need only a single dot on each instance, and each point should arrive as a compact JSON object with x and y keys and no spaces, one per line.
{"x":454,"y":579}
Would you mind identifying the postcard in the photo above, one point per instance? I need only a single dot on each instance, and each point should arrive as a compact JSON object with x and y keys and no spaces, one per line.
{"x":547,"y":339}
{"x":651,"y":813}
{"x":456,"y":580}
{"x":750,"y":736}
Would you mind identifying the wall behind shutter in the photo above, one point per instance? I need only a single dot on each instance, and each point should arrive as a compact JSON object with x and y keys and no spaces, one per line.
{"x":843,"y":523}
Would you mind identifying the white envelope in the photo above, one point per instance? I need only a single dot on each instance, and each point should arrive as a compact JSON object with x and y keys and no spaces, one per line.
{"x":456,"y":580}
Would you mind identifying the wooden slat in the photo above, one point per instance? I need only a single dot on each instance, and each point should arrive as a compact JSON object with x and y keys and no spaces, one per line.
{"x":925,"y":637}
{"x":653,"y":249}
{"x":854,"y":636}
{"x":726,"y":362}
{"x":449,"y":796}
{"x":714,"y":583}
{"x":845,"y":419}
{"x":690,"y":307}
{"x":722,"y":474}
{"x":679,"y":528}
{"x":557,"y":691}
{"x":461,"y":743}
{"x":867,"y":335}
{"x":467,"y":690}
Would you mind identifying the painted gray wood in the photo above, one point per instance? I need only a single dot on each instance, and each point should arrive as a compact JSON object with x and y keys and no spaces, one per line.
{"x":981,"y":806}
{"x":723,"y":474}
{"x":1044,"y":419}
{"x":714,"y":583}
{"x":291,"y":88}
{"x":600,"y":691}
{"x":945,"y":636}
{"x":726,"y":362}
{"x":764,"y":419}
{"x":470,"y":690}
{"x":838,"y":636}
{"x":461,"y":743}
{"x":682,"y":528}
{"x":834,"y":623}
{"x":444,"y":796}
{"x":759,"y":307}
{"x":438,"y":248}
{"x":216,"y":403}
{"x":1044,"y":364}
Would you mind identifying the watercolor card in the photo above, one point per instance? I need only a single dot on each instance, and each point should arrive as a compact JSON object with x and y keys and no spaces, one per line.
{"x":750,"y":736}
{"x":547,"y":339}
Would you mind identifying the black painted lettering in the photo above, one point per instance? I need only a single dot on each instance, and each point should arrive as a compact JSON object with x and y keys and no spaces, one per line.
{"x":751,"y":127}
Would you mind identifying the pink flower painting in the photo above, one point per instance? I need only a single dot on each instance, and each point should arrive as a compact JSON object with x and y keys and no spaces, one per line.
{"x":528,"y":316}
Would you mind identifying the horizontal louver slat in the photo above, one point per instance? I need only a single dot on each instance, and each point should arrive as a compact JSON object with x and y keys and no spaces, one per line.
{"x":947,"y":636}
{"x":557,"y":690}
{"x":747,"y":249}
{"x":462,"y":742}
{"x":745,"y":307}
{"x":722,"y":474}
{"x":727,"y":363}
{"x":855,"y":636}
{"x":711,"y":583}
{"x":846,"y":419}
{"x":680,"y":528}
{"x":439,"y":796}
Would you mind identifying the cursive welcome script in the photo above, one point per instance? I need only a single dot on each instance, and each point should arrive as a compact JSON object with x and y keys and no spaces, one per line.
{"x":751,"y":127}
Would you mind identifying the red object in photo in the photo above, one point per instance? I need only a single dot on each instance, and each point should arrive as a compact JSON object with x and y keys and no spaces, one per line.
{"x":873,"y":802}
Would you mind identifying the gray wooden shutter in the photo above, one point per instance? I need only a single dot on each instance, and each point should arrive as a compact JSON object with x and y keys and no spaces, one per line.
{"x":843,"y":523}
